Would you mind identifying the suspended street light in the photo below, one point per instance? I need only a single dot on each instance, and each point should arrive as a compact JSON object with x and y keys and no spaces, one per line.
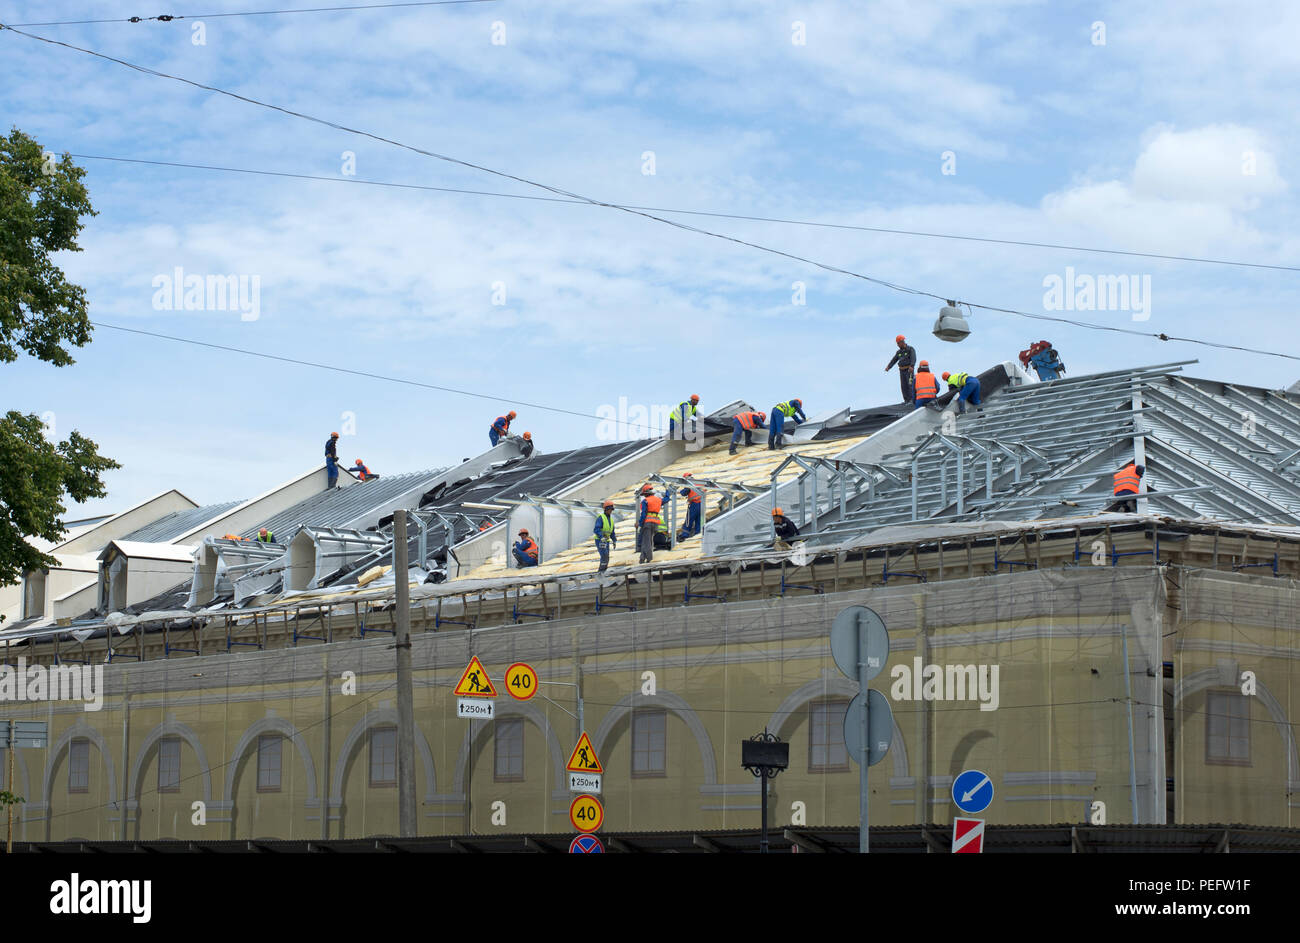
{"x":951,"y":326}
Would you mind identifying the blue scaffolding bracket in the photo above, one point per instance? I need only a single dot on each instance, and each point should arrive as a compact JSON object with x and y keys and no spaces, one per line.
{"x":785,"y":584}
{"x":687,"y":595}
{"x":1246,"y":566}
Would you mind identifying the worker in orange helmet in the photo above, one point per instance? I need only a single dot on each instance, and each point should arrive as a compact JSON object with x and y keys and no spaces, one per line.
{"x":905,"y":357}
{"x":694,"y":510}
{"x":648,"y":519}
{"x":526,"y":550}
{"x":362,"y":472}
{"x":786,"y":531}
{"x":332,"y":460}
{"x":501,"y":427}
{"x":686,"y":409}
{"x":927,"y":385}
{"x":526,"y":444}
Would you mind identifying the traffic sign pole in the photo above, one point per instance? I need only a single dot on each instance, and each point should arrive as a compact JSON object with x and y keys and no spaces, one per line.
{"x":864,"y":840}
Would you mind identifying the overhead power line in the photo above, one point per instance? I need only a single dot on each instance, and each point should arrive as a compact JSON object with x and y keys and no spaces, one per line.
{"x":168,"y":17}
{"x":669,"y":209}
{"x":634,"y":212}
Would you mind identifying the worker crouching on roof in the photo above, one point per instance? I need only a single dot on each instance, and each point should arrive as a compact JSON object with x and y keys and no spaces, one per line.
{"x":968,"y":388}
{"x":648,"y":520}
{"x":526,"y":550}
{"x":1046,"y":361}
{"x":362,"y":472}
{"x":694,"y":507}
{"x":1128,"y":481}
{"x":265,"y":536}
{"x":786,"y":531}
{"x":526,"y":445}
{"x":927,"y":386}
{"x":604,"y":531}
{"x":745,"y":424}
{"x":791,"y":410}
{"x":501,"y":427}
{"x":905,"y":357}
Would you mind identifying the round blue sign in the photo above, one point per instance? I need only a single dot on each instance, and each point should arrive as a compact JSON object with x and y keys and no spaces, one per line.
{"x":972,"y":791}
{"x":586,"y":845}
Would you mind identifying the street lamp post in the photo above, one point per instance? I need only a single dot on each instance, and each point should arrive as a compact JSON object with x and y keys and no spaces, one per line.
{"x":764,"y":756}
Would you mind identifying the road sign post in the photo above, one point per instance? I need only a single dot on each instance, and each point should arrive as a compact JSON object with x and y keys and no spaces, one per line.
{"x":860,"y":647}
{"x":15,"y":734}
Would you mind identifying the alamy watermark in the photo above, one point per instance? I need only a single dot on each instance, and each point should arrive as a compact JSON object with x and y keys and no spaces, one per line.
{"x":181,"y":292}
{"x":630,"y":421}
{"x":920,"y":682}
{"x":55,"y":683}
{"x":1075,"y":292}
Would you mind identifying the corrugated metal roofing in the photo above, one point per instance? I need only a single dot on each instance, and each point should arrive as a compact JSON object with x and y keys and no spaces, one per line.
{"x":340,"y":506}
{"x":167,"y":529}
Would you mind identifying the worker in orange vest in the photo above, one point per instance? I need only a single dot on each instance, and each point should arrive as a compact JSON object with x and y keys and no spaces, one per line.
{"x":1128,"y":481}
{"x":926,"y":385}
{"x":362,"y":471}
{"x":695,"y":504}
{"x":501,"y":427}
{"x":526,"y":550}
{"x":745,"y":423}
{"x":647,"y":522}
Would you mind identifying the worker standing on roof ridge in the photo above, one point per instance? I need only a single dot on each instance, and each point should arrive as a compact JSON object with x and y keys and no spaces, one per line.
{"x":791,"y":410}
{"x":332,"y":460}
{"x":647,"y":522}
{"x":1128,"y":481}
{"x":927,"y":386}
{"x":905,"y":357}
{"x":265,"y":536}
{"x":361,"y":470}
{"x":786,"y":531}
{"x":745,"y":423}
{"x":686,"y":409}
{"x":526,"y":550}
{"x":501,"y":427}
{"x":968,"y":388}
{"x":604,"y":531}
{"x":695,"y":503}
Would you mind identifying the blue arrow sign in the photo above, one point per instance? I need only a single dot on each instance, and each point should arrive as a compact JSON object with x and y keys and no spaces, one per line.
{"x":586,"y":845}
{"x":972,"y":791}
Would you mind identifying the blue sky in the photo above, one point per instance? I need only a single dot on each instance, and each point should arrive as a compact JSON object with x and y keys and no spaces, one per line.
{"x":1173,"y":136}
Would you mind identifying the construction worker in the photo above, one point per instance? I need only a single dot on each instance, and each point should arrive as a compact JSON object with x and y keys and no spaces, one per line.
{"x":501,"y":427}
{"x":905,"y":357}
{"x":647,"y":522}
{"x":265,"y":536}
{"x":791,"y":410}
{"x":526,"y":550}
{"x":361,"y":471}
{"x":968,"y":388}
{"x":694,"y":506}
{"x":1128,"y":481}
{"x":745,"y":423}
{"x":484,"y":524}
{"x":527,"y":444}
{"x":786,"y":531}
{"x":332,"y":460}
{"x":604,"y":531}
{"x":686,"y":409}
{"x":927,"y":386}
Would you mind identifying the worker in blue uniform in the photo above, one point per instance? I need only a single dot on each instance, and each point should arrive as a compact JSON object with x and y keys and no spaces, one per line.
{"x":792,"y":411}
{"x":332,"y":460}
{"x":968,"y":388}
{"x":694,"y":506}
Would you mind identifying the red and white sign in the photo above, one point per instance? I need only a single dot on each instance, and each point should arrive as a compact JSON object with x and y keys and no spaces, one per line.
{"x":967,"y":836}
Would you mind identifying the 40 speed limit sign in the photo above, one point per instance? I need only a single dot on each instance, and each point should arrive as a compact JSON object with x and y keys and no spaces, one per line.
{"x":586,"y":813}
{"x":521,"y":681}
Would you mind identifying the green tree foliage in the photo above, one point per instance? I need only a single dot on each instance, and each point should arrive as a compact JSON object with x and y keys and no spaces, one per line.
{"x":42,"y":204}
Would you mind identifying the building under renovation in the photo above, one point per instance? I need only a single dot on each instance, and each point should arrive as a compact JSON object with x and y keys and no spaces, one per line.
{"x":1104,"y":667}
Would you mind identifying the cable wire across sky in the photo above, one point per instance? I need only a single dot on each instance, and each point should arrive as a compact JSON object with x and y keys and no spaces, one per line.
{"x":558,"y":191}
{"x":170,"y":17}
